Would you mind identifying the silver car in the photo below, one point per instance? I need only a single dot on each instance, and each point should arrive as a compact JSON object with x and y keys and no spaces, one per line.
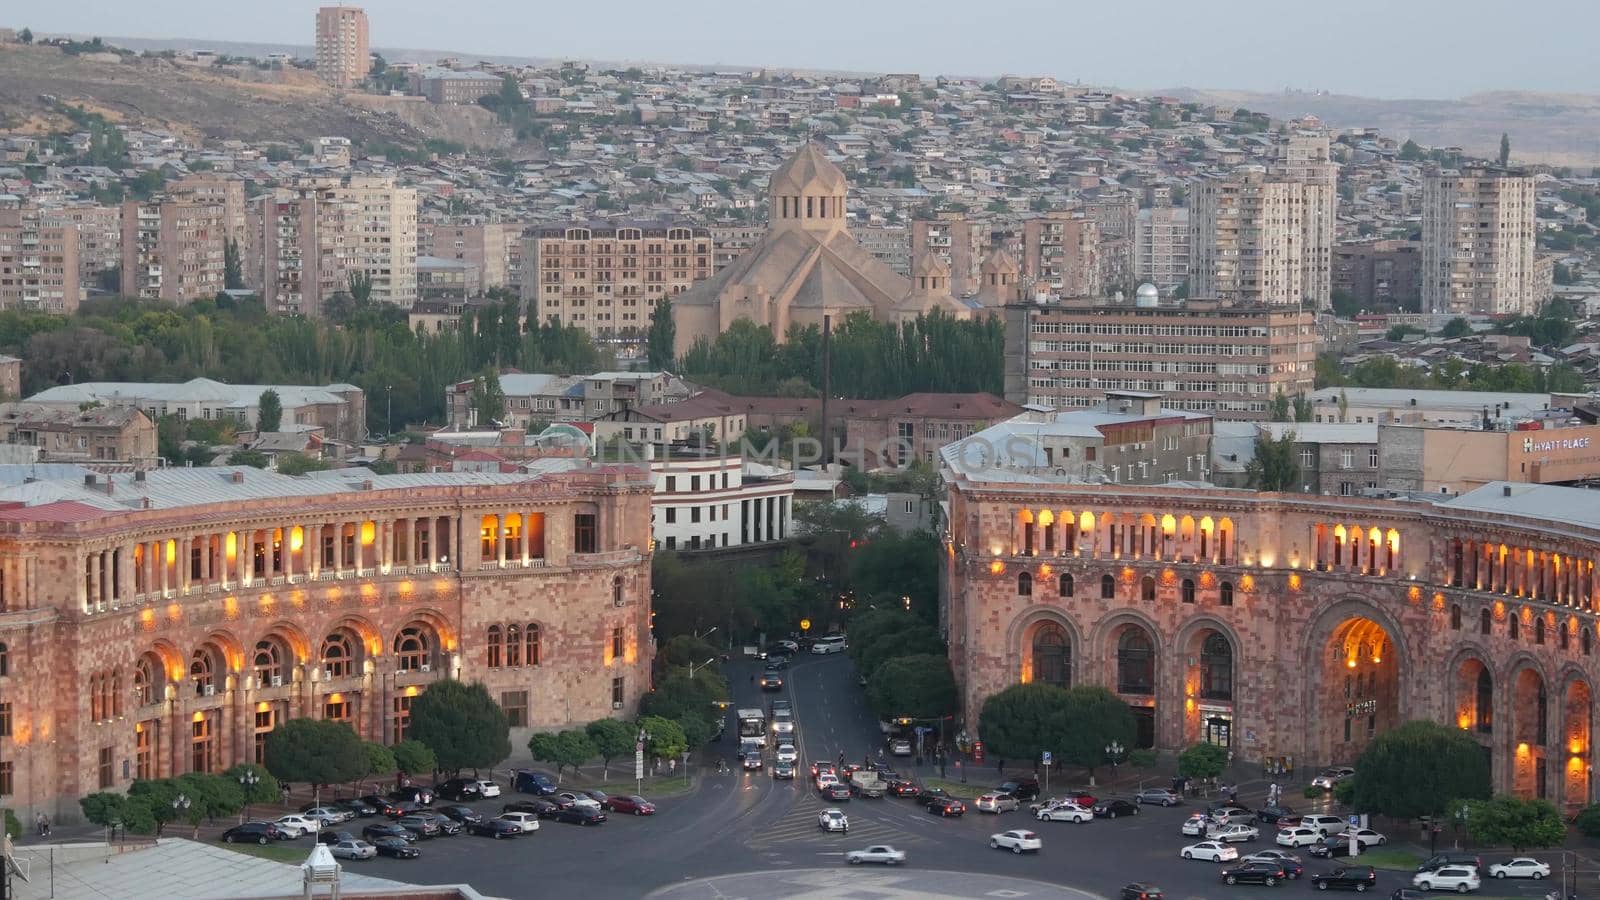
{"x":1158,"y":796}
{"x":353,"y":850}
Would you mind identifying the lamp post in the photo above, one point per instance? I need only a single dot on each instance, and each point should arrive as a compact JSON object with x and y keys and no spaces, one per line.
{"x":693,"y":666}
{"x":388,"y":417}
{"x":180,"y":804}
{"x":638,"y":761}
{"x":1114,"y":751}
{"x":248,"y":781}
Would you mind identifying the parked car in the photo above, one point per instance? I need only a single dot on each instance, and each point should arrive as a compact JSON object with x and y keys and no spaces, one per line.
{"x":416,"y":793}
{"x":784,"y":646}
{"x":396,"y":848}
{"x":878,"y":853}
{"x":1138,"y":890}
{"x":1327,"y":778}
{"x":1110,"y":809}
{"x":1229,"y":814}
{"x":1460,"y":879}
{"x":496,"y":828}
{"x":378,"y":832}
{"x":947,"y":807}
{"x":1026,"y":789}
{"x":353,"y":849}
{"x":1195,"y":826}
{"x":1298,"y":836}
{"x":383,"y":805}
{"x":1158,"y":797}
{"x":1520,"y":867}
{"x":633,"y":804}
{"x":405,"y":808}
{"x":488,"y":788}
{"x":576,"y":798}
{"x":423,"y":826}
{"x":833,"y":820}
{"x":1323,"y":824}
{"x":254,"y":833}
{"x":580,"y":815}
{"x":1254,"y":872}
{"x":543,"y":807}
{"x":1333,"y":845}
{"x":1348,"y":878}
{"x":598,"y":796}
{"x":447,"y":825}
{"x":996,"y":803}
{"x":1366,"y":836}
{"x":298,"y":826}
{"x":1215,"y":851}
{"x":1080,"y":797}
{"x":465,"y":815}
{"x":356,"y":808}
{"x":1453,"y":857}
{"x":1233,"y":834}
{"x":536,"y":783}
{"x":461,"y":789}
{"x":1274,"y":815}
{"x":1064,"y":812}
{"x":528,"y":822}
{"x":327,"y":815}
{"x":331,"y":837}
{"x":1016,"y":841}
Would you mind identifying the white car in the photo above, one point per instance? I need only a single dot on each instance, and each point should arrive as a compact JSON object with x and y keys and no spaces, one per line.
{"x":528,"y":822}
{"x":1332,"y":776}
{"x":1215,"y":851}
{"x":1016,"y":841}
{"x":582,"y":801}
{"x":299,"y":825}
{"x":833,"y":643}
{"x":1521,"y":867}
{"x":1300,"y":836}
{"x":826,"y":778}
{"x":1065,"y":812}
{"x":1195,"y":826}
{"x":782,"y":724}
{"x":488,"y":788}
{"x":1232,"y":834}
{"x":787,"y":753}
{"x":789,"y":646}
{"x":1324,"y":825}
{"x":1448,"y":878}
{"x":878,"y":853}
{"x":833,"y":820}
{"x":900,"y":747}
{"x":996,"y":803}
{"x":353,"y":850}
{"x":1366,"y":836}
{"x":327,"y":815}
{"x":1232,"y":815}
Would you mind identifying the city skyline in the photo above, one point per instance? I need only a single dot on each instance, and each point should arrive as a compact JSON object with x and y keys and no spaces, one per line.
{"x":1424,"y":50}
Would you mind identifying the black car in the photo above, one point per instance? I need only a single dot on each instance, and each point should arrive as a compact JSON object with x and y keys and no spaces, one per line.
{"x":928,"y":796}
{"x":447,"y":825}
{"x":543,"y":807}
{"x":461,"y":789}
{"x":1330,"y":847}
{"x":1271,"y":814}
{"x":396,"y":847}
{"x":1452,"y":858}
{"x":1408,"y":894}
{"x":254,"y":832}
{"x":360,"y":808}
{"x":1141,"y":891}
{"x":387,"y":830}
{"x":466,"y":815}
{"x":904,"y":787}
{"x":423,"y":826}
{"x":946,"y":807}
{"x":784,"y":770}
{"x":1025,"y":790}
{"x":407,"y":808}
{"x":325,"y":836}
{"x":537,"y":783}
{"x":1110,"y":809}
{"x":771,"y":681}
{"x":580,"y":815}
{"x":1349,"y":878}
{"x":600,"y":797}
{"x":383,"y":806}
{"x":414,"y":793}
{"x":495,"y":828}
{"x":1254,"y":873}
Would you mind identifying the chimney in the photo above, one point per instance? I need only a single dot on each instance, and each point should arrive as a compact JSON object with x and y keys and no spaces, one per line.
{"x":89,"y":480}
{"x":138,"y":477}
{"x":236,"y":477}
{"x":1505,"y":490}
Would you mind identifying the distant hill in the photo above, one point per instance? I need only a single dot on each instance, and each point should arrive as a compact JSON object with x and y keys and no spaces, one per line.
{"x":1558,"y":129}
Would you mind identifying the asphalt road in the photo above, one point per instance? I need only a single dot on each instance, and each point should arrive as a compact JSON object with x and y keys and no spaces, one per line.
{"x":749,"y":823}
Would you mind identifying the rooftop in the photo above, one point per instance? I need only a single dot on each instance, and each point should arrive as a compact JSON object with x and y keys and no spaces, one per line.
{"x":195,"y":390}
{"x":1576,"y":506}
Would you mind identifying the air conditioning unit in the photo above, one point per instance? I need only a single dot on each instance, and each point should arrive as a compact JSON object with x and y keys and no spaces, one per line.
{"x":210,"y":690}
{"x":616,"y":704}
{"x":426,"y":667}
{"x":277,"y":681}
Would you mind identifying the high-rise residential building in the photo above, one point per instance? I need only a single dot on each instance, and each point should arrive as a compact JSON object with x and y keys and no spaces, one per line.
{"x":383,"y":242}
{"x":221,"y":189}
{"x":1478,"y":234}
{"x":99,"y":240}
{"x":38,"y":261}
{"x":607,"y":277}
{"x":343,"y":58}
{"x":1161,"y":247}
{"x":955,"y":239}
{"x":1302,"y":157}
{"x":1226,"y":359}
{"x":487,"y":245}
{"x":888,"y":244}
{"x":1061,"y":253}
{"x":173,"y":249}
{"x":1379,"y":272}
{"x":306,"y":241}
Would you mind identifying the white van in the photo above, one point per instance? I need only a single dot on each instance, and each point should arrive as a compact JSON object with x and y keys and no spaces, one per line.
{"x":833,"y":643}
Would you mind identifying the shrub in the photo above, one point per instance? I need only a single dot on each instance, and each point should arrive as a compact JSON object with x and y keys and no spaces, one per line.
{"x":1313,"y":792}
{"x":1142,"y":759}
{"x":1588,"y":821}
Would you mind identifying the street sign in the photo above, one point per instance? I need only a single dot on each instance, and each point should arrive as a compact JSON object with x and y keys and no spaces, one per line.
{"x":1355,"y":821}
{"x":638,"y":764}
{"x":1046,"y":760}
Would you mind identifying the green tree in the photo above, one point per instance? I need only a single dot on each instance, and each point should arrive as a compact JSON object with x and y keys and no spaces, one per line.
{"x":919,"y":686}
{"x":462,"y":724}
{"x":232,"y":266}
{"x":360,"y":285}
{"x":300,"y":464}
{"x":1202,"y":761}
{"x":1023,"y":721}
{"x":269,"y":411}
{"x":562,"y":749}
{"x":1456,"y":327}
{"x":13,"y":827}
{"x":666,"y":741}
{"x":684,"y":650}
{"x":1588,"y":821}
{"x":1280,"y":407}
{"x":663,"y":332}
{"x":488,"y":400}
{"x":413,"y":757}
{"x":918,"y":640}
{"x":106,"y":809}
{"x":696,"y":730}
{"x":1410,"y":151}
{"x":247,"y":457}
{"x":1276,"y":466}
{"x":150,"y":804}
{"x":612,"y":739}
{"x":1399,"y":332}
{"x":1514,"y":822}
{"x":1505,"y":149}
{"x":209,"y":796}
{"x":25,"y":35}
{"x":1419,"y":769}
{"x":265,"y":789}
{"x":380,"y":760}
{"x":315,"y":751}
{"x":1094,"y":718}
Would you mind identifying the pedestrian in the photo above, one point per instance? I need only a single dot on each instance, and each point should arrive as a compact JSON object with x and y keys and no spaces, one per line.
{"x":999,"y":765}
{"x":1233,"y":793}
{"x":38,"y":824}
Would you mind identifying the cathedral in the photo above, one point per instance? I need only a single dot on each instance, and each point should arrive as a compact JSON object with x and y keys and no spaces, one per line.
{"x":807,"y":266}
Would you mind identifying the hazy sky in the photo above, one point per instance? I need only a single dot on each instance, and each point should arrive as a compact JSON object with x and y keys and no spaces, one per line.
{"x":1384,"y":48}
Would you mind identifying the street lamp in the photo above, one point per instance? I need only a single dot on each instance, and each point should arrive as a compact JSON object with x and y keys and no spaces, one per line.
{"x":1114,"y":752}
{"x":701,"y":665}
{"x":388,"y":417}
{"x":248,"y":781}
{"x":180,"y":804}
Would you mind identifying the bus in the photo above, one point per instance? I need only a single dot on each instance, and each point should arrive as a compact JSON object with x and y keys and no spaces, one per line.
{"x":753,"y":724}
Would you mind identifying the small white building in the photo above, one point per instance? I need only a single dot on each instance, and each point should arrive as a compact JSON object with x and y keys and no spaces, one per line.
{"x":703,"y":502}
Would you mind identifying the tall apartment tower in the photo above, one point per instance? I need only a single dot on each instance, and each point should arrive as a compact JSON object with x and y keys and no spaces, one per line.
{"x":173,"y":249}
{"x":343,"y":58}
{"x":957,"y":241}
{"x":383,"y":242}
{"x":1478,"y":236}
{"x":299,"y":254}
{"x":1246,"y":238}
{"x":38,"y":261}
{"x":1161,"y":247}
{"x":607,"y":277}
{"x":1303,"y":157}
{"x":1061,"y":253}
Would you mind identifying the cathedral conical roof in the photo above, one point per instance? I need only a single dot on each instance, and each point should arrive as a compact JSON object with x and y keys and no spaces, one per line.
{"x":809,"y":172}
{"x":929,"y":263}
{"x":999,"y":261}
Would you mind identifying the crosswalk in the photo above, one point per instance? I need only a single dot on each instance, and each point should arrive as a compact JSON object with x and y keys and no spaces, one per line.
{"x":799,"y":826}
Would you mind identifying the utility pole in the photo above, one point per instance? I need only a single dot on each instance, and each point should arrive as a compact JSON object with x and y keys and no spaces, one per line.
{"x":827,"y":388}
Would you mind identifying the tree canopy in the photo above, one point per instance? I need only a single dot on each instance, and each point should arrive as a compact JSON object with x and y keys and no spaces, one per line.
{"x":660,"y":340}
{"x":920,"y":686}
{"x":269,"y":411}
{"x":1276,"y":466}
{"x":1022,"y":721}
{"x":611,"y":739}
{"x":1419,"y":769}
{"x":666,"y":739}
{"x":1514,"y":822}
{"x":463,"y":726}
{"x":315,"y":751}
{"x":1202,"y":761}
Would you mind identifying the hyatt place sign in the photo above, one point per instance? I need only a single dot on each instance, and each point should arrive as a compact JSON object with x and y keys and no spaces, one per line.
{"x":1530,"y":446}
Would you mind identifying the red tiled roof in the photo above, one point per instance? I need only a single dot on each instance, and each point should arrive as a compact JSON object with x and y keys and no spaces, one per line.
{"x":60,"y":511}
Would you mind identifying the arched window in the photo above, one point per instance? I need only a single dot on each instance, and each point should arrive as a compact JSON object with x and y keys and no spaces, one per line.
{"x":1108,"y":587}
{"x":616,"y":591}
{"x":1514,"y":626}
{"x":531,"y":636}
{"x":338,"y":655}
{"x":513,"y":645}
{"x":202,"y":671}
{"x":493,"y":647}
{"x":1064,"y":584}
{"x":1216,"y":668}
{"x":146,"y":679}
{"x":1147,"y":589}
{"x":1455,"y":616}
{"x":1588,"y":642}
{"x":412,"y":649}
{"x":1136,"y":662}
{"x":5,"y":661}
{"x":1024,"y":584}
{"x":1538,"y":630}
{"x":1485,"y":700}
{"x":1052,"y":655}
{"x":1186,"y":590}
{"x":269,"y":663}
{"x":1485,"y":622}
{"x":116,"y":693}
{"x":1225,"y":594}
{"x":1564,"y":635}
{"x":94,"y":698}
